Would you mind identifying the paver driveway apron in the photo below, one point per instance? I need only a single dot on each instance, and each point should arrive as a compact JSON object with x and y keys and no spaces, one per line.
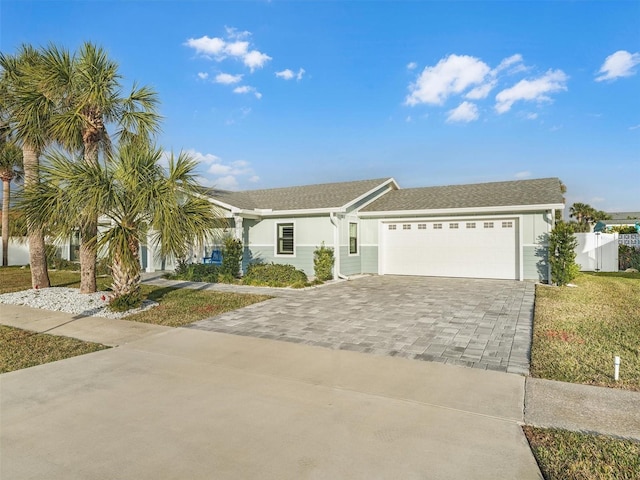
{"x":471,"y":322}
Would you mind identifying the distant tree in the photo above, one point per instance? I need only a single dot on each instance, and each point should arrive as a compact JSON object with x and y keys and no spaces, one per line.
{"x":10,"y":169}
{"x":28,"y":110}
{"x":586,"y":216}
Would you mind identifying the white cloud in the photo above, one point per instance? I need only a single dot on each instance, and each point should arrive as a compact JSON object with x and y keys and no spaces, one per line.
{"x":481,"y":91}
{"x":465,"y":112}
{"x":228,"y":182}
{"x":525,"y":174}
{"x":412,"y":66}
{"x":618,"y":64}
{"x":531,"y":90}
{"x":635,"y":127}
{"x":234,"y":34}
{"x":531,"y":116}
{"x":207,"y":46}
{"x":203,"y":75}
{"x":220,"y":174}
{"x":508,"y":62}
{"x":234,"y":46}
{"x":228,"y":79}
{"x":255,"y":59}
{"x":247,"y":89}
{"x":288,"y":74}
{"x":237,"y":49}
{"x":451,"y":75}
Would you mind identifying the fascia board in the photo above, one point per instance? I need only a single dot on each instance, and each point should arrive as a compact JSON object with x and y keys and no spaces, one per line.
{"x":469,"y":210}
{"x":301,"y":212}
{"x":390,"y":181}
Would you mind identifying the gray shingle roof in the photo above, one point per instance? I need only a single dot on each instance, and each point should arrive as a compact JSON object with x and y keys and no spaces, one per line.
{"x":622,"y":217}
{"x":496,"y":194}
{"x":326,"y":195}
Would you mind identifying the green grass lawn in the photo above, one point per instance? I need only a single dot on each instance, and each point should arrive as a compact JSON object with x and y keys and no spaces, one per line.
{"x":578,"y":331}
{"x":564,"y":455}
{"x":23,"y":349}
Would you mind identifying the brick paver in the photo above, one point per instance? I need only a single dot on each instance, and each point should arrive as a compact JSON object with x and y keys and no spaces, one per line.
{"x":470,"y":322}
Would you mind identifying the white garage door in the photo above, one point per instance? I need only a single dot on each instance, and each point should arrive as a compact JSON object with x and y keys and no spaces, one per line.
{"x":451,"y":248}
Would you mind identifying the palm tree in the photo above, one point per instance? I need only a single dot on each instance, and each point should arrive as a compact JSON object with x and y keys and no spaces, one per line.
{"x":10,"y":169}
{"x":87,"y":85}
{"x":29,"y":111}
{"x":135,"y":196}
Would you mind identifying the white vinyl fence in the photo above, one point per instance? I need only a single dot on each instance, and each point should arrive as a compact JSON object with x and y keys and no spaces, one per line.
{"x":18,"y":252}
{"x":597,"y":252}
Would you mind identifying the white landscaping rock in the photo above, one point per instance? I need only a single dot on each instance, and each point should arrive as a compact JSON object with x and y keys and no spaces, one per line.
{"x":70,"y":300}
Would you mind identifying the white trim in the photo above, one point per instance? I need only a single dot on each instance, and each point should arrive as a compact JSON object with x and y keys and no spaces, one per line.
{"x":449,"y":212}
{"x":275,"y":243}
{"x":390,"y":182}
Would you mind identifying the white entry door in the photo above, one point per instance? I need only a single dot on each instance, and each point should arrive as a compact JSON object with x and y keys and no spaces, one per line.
{"x":451,"y":248}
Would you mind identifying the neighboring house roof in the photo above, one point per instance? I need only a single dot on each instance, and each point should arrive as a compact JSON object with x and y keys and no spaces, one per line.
{"x":622,"y":218}
{"x":307,"y":197}
{"x":544,"y":191}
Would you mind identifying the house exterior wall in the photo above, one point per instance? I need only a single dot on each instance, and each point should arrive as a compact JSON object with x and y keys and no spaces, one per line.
{"x":260,"y":237}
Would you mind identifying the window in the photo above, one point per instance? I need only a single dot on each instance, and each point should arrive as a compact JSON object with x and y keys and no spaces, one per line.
{"x":453,"y":225}
{"x":471,"y":225}
{"x":422,"y":226}
{"x":392,"y":227}
{"x":437,"y":226}
{"x":353,"y":238}
{"x":488,"y":224}
{"x":406,"y":226}
{"x":285,"y":238}
{"x":507,"y":224}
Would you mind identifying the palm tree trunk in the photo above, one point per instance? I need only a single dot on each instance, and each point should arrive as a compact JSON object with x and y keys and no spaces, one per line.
{"x":6,"y":193}
{"x":89,"y":234}
{"x":37,"y":250}
{"x":126,"y":275}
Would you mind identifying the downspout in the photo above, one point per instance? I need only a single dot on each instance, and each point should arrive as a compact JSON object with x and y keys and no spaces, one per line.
{"x":552,"y":223}
{"x":336,"y":247}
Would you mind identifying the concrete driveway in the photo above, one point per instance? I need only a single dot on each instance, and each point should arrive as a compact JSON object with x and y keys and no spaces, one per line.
{"x":476,"y":323}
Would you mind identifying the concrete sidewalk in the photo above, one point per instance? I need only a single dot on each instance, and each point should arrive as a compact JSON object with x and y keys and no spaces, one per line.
{"x":183,"y":403}
{"x":106,"y":331}
{"x":586,"y":408}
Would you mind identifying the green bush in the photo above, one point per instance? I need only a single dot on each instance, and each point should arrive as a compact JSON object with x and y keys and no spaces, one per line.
{"x":628,"y":257}
{"x":323,"y":261}
{"x":126,"y":302}
{"x":231,"y":257}
{"x":196,"y":272}
{"x":275,"y":275}
{"x":562,"y":254}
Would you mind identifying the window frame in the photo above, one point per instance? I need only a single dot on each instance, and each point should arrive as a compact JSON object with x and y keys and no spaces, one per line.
{"x":277,"y":251}
{"x":356,"y":244}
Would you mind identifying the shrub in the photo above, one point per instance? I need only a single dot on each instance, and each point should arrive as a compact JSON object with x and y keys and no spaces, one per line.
{"x":126,"y":302}
{"x":562,"y":254}
{"x":323,"y":261}
{"x":196,"y":272}
{"x":628,"y":257}
{"x":275,"y":275}
{"x":231,"y":257}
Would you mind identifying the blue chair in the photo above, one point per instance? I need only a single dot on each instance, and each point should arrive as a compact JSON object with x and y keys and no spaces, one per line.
{"x":214,"y":259}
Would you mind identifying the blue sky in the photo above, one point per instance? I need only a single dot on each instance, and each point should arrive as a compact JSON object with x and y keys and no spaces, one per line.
{"x":271,"y":93}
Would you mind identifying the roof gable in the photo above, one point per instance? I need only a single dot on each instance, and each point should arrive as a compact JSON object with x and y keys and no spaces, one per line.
{"x":306,"y":197}
{"x":544,"y":191}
